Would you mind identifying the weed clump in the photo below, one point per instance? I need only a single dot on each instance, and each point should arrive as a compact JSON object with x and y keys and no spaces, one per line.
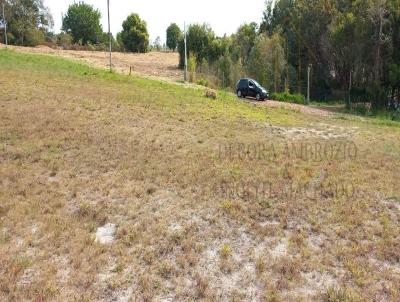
{"x":288,"y":97}
{"x":225,"y":251}
{"x":211,"y":94}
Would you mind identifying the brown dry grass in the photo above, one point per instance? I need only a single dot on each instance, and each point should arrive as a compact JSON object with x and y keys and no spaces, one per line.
{"x":79,"y":149}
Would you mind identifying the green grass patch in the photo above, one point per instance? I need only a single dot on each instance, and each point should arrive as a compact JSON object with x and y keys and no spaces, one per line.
{"x":382,"y":117}
{"x":288,"y":97}
{"x":173,"y":98}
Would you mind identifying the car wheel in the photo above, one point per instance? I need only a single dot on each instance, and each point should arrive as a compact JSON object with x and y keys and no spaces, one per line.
{"x":239,"y":93}
{"x":258,"y":97}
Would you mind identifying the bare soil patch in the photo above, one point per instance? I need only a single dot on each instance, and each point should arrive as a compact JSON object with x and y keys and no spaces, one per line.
{"x":295,"y":107}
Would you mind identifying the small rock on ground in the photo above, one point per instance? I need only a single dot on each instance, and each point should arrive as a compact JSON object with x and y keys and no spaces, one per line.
{"x":106,"y":233}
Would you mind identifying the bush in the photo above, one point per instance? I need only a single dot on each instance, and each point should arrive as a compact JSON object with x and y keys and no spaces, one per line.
{"x":211,"y":94}
{"x":92,"y":47}
{"x":192,"y":68}
{"x":360,"y":108}
{"x":34,"y":37}
{"x":395,"y":116}
{"x":287,"y":97}
{"x":392,"y":115}
{"x":202,"y":82}
{"x":64,"y":40}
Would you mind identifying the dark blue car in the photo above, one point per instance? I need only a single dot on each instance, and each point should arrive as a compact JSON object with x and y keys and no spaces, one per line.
{"x":250,"y":87}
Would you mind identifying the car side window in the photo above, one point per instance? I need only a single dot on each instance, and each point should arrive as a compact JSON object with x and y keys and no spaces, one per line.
{"x":251,"y":84}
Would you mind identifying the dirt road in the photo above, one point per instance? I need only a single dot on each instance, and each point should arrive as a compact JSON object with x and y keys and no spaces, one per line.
{"x":295,"y":107}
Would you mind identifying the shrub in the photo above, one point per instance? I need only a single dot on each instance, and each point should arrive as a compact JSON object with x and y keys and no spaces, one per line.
{"x":360,"y":108}
{"x":395,"y":116}
{"x":64,"y":40}
{"x":34,"y":37}
{"x":192,"y":68}
{"x":91,"y":47}
{"x":338,"y":295}
{"x":211,"y":94}
{"x":202,"y":82}
{"x":287,"y":97}
{"x":225,"y":251}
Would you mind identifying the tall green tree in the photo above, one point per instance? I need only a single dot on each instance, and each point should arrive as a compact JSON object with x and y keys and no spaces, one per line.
{"x":199,"y":40}
{"x":245,"y":37}
{"x":378,"y":13}
{"x":267,"y":61}
{"x":394,"y":67}
{"x":82,"y":21}
{"x":350,"y":44}
{"x":134,"y":35}
{"x":173,"y":35}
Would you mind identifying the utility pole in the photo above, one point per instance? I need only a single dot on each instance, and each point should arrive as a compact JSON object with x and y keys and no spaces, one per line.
{"x":5,"y":25}
{"x":186,"y":63}
{"x":287,"y":80}
{"x":308,"y":83}
{"x":298,"y":65}
{"x":109,"y":32}
{"x":350,"y":86}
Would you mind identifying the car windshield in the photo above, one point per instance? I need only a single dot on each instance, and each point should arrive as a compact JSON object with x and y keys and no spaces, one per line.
{"x":257,"y":84}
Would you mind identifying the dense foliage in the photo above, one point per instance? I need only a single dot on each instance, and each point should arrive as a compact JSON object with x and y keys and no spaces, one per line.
{"x":82,"y":22}
{"x":351,"y":46}
{"x":134,"y":35}
{"x":28,"y":21}
{"x":173,"y":35}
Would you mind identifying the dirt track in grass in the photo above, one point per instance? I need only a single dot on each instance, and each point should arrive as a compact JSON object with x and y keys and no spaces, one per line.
{"x":294,"y":107}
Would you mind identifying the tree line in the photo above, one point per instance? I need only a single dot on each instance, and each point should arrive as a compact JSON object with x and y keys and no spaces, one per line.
{"x":29,"y":23}
{"x":350,"y":47}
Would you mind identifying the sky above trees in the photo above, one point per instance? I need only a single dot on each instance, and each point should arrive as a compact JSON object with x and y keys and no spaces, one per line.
{"x":224,"y":16}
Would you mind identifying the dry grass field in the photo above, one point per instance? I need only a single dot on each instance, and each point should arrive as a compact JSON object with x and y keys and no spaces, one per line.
{"x":210,"y":200}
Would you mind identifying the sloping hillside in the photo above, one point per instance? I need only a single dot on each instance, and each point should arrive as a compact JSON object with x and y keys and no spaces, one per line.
{"x":116,"y":188}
